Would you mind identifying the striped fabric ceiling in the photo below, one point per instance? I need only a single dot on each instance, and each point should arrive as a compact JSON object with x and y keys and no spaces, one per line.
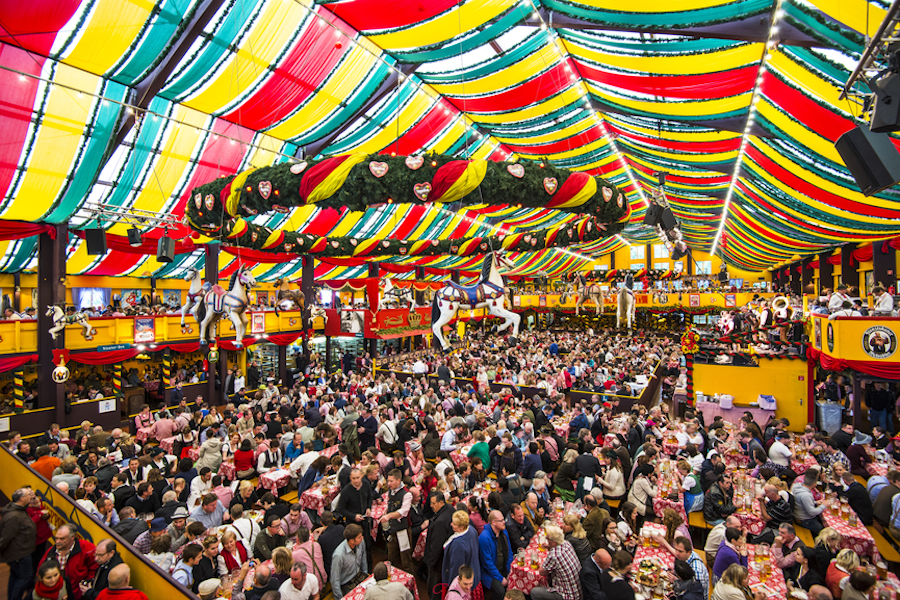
{"x":132,"y":104}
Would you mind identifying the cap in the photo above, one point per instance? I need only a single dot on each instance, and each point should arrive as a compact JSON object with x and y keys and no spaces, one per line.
{"x":180,"y":513}
{"x":209,"y":587}
{"x":158,"y":524}
{"x":415,"y":446}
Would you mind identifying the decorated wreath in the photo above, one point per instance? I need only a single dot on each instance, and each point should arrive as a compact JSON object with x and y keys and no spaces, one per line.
{"x":222,"y":208}
{"x":690,"y":341}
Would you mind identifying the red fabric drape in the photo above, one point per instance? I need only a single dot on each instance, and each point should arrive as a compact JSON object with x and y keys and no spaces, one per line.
{"x":877,"y":369}
{"x":894,"y":243}
{"x":14,"y":362}
{"x":229,"y":345}
{"x":799,"y":268}
{"x":813,"y":264}
{"x":119,"y":243}
{"x":104,"y":358}
{"x":16,"y":230}
{"x":260,"y":256}
{"x":184,"y":348}
{"x":863,"y":254}
{"x":284,"y":339}
{"x":834,"y":260}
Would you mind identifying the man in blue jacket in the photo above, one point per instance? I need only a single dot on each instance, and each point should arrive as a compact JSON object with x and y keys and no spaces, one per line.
{"x":496,"y":556}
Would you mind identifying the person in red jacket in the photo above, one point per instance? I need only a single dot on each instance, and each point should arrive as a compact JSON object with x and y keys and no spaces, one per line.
{"x":120,"y":586}
{"x":76,"y":557}
{"x":39,"y":516}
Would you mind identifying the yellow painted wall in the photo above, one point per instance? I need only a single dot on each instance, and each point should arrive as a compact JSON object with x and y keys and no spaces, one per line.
{"x":785,"y":379}
{"x":624,"y":261}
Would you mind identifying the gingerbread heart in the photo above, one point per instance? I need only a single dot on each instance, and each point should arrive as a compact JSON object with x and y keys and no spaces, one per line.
{"x":288,"y":247}
{"x":421,"y":190}
{"x":281,"y":209}
{"x":550,"y":185}
{"x":298,"y":168}
{"x":534,"y":241}
{"x":335,"y":244}
{"x":435,"y":242}
{"x":403,"y":250}
{"x":483,"y":247}
{"x":250,"y":211}
{"x":210,"y":201}
{"x":386,"y":244}
{"x":265,"y":189}
{"x":607,"y":194}
{"x":352,"y":241}
{"x":516,"y":170}
{"x":454,"y":249}
{"x":414,"y":162}
{"x":527,"y":238}
{"x":378,"y":169}
{"x":198,"y":200}
{"x":620,"y":200}
{"x":254,"y":236}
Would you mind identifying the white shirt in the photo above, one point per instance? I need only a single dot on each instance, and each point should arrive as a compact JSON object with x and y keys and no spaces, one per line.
{"x":884,"y":303}
{"x":780,"y":454}
{"x":837,"y":299}
{"x":274,"y":455}
{"x":301,"y":463}
{"x":198,"y":489}
{"x":310,"y":589}
{"x":239,"y":384}
{"x":246,"y":531}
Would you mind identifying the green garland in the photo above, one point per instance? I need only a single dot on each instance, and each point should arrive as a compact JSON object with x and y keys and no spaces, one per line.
{"x":277,"y":188}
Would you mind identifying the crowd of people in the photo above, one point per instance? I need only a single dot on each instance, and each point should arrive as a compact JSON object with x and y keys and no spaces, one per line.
{"x":414,"y":454}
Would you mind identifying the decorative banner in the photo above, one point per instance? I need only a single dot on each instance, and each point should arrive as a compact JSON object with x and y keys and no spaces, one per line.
{"x":542,"y":301}
{"x":879,"y":342}
{"x":167,"y":368}
{"x":517,"y":301}
{"x":258,"y":322}
{"x":106,"y":406}
{"x":262,"y":298}
{"x":144,"y":330}
{"x":817,"y":327}
{"x":172,"y":298}
{"x":117,"y":379}
{"x":19,"y":391}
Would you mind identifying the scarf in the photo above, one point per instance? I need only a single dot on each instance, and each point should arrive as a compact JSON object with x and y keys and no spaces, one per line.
{"x":57,"y":592}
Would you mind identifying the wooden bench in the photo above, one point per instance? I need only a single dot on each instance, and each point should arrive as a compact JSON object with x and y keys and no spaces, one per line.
{"x":885,"y":547}
{"x":805,"y":535}
{"x":695,"y":519}
{"x":614,"y":503}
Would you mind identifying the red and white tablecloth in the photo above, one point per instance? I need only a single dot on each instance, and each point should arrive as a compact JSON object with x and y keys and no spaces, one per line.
{"x":876,"y":468}
{"x":461,"y":454}
{"x":168,"y":444}
{"x":359,"y":592}
{"x":379,"y":507}
{"x":274,"y":479}
{"x":801,"y":466}
{"x":669,"y":448}
{"x":228,"y":470}
{"x":561,"y":426}
{"x":527,"y":577}
{"x":661,"y":503}
{"x":750,"y":520}
{"x":329,"y":451}
{"x":313,"y":499}
{"x":856,"y":538}
{"x":142,"y":435}
{"x":736,"y":461}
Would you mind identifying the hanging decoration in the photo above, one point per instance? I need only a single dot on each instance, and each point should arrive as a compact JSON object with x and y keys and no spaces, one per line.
{"x":690,"y":341}
{"x":222,"y":209}
{"x":61,"y":373}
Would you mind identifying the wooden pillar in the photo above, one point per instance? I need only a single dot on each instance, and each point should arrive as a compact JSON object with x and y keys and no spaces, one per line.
{"x":328,"y":354}
{"x":884,"y":264}
{"x":826,"y":272}
{"x":283,"y":373}
{"x":223,"y":374}
{"x":647,"y":257}
{"x":17,"y":292}
{"x":51,"y":291}
{"x":211,"y":275}
{"x":454,"y":275}
{"x":371,"y":344}
{"x":796,"y":284}
{"x":849,"y":272}
{"x":806,"y":274}
{"x":307,"y":285}
{"x":416,"y":340}
{"x":857,"y":399}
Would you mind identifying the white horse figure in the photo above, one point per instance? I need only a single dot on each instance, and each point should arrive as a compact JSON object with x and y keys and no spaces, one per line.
{"x":582,"y":290}
{"x":626,"y":304}
{"x":316,"y":311}
{"x":61,"y":319}
{"x":394,"y":297}
{"x":218,"y":302}
{"x":194,"y":295}
{"x":489,"y":292}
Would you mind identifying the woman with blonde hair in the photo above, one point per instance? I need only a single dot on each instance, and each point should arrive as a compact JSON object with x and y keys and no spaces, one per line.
{"x":281,"y":564}
{"x":233,"y":553}
{"x":566,"y":475}
{"x":838,"y":573}
{"x":577,"y":536}
{"x":735,"y":585}
{"x":827,"y":545}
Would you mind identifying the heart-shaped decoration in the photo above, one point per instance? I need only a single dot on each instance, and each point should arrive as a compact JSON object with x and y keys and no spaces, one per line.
{"x":352,"y":241}
{"x":422,"y":190}
{"x":527,"y":238}
{"x":265,"y":189}
{"x":403,"y":250}
{"x":288,"y":247}
{"x":281,"y":209}
{"x":335,"y":244}
{"x":198,"y":200}
{"x":550,"y":185}
{"x":253,"y":236}
{"x":185,"y":221}
{"x":298,"y":168}
{"x":590,"y":226}
{"x":454,"y":249}
{"x":607,"y":194}
{"x":516,"y":170}
{"x":620,"y":200}
{"x":483,"y":247}
{"x":210,"y":201}
{"x":534,"y":241}
{"x":414,"y":162}
{"x":570,"y":232}
{"x":386,"y":244}
{"x":378,"y":169}
{"x":435,"y":242}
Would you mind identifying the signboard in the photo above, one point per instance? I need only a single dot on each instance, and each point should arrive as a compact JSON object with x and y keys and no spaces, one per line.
{"x":144,"y":330}
{"x":517,"y":301}
{"x":113,"y":347}
{"x":131,"y":297}
{"x":262,"y":298}
{"x":879,"y":342}
{"x":817,"y":327}
{"x":172,"y":297}
{"x":107,"y":406}
{"x":257,"y":322}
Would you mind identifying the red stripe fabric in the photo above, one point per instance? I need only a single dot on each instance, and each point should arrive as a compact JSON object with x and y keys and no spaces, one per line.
{"x":33,"y":25}
{"x":834,"y":259}
{"x":11,"y":363}
{"x":408,"y":225}
{"x":119,"y":243}
{"x":878,"y":369}
{"x":17,"y":98}
{"x":116,"y":263}
{"x":16,"y":230}
{"x":572,"y":143}
{"x":318,"y":173}
{"x":813,"y":264}
{"x":539,"y":88}
{"x":306,"y":66}
{"x":322,"y":223}
{"x":371,"y":15}
{"x":863,"y":254}
{"x":712,"y":146}
{"x":701,"y":86}
{"x":421,"y":133}
{"x":259,"y":256}
{"x":445,"y":177}
{"x":813,"y":115}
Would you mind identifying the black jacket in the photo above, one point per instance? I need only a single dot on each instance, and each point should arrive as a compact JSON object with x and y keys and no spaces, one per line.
{"x":18,"y":533}
{"x":104,"y":477}
{"x":439,"y":531}
{"x":519,"y":535}
{"x":130,"y":529}
{"x":859,"y":501}
{"x":329,"y":540}
{"x":168,"y":509}
{"x":101,"y":582}
{"x":143,"y":506}
{"x":843,"y":440}
{"x":353,"y":502}
{"x":717,"y":504}
{"x":590,"y":580}
{"x":121,"y":496}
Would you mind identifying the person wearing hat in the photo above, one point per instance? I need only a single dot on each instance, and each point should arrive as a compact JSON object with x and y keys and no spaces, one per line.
{"x":107,"y":558}
{"x":178,"y":523}
{"x":838,"y":298}
{"x":209,"y":589}
{"x":158,"y":527}
{"x":858,"y":455}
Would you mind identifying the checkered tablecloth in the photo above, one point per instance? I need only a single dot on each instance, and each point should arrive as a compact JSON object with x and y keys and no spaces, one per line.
{"x":142,"y":435}
{"x":751,"y":520}
{"x":661,"y":503}
{"x":876,"y":468}
{"x":856,"y":538}
{"x":379,"y":507}
{"x":670,"y":448}
{"x":329,"y":451}
{"x":527,"y":577}
{"x":274,"y":479}
{"x":801,"y":466}
{"x":561,"y":425}
{"x":461,"y":454}
{"x":228,"y":470}
{"x":313,"y":499}
{"x":736,"y":461}
{"x":168,"y":444}
{"x":394,"y":574}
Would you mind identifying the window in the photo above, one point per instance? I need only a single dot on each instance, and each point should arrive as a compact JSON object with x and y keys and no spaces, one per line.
{"x":637,"y":253}
{"x":738,"y":283}
{"x":637,"y":266}
{"x":601,"y":267}
{"x":704,"y":267}
{"x":662,"y":266}
{"x":660,"y":251}
{"x":638,"y":285}
{"x":702,"y":284}
{"x":677,"y":285}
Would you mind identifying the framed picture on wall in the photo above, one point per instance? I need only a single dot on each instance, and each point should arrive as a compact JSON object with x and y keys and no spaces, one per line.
{"x":144,"y":330}
{"x":695,"y":300}
{"x":730,"y":300}
{"x":258,"y":322}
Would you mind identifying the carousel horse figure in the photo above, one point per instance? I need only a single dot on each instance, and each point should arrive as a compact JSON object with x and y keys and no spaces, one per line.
{"x":394,"y":297}
{"x":61,"y":319}
{"x":194,"y":295}
{"x":315,"y":311}
{"x":626,"y":304}
{"x":286,"y":298}
{"x":489,"y":292}
{"x":218,"y":302}
{"x":582,"y":290}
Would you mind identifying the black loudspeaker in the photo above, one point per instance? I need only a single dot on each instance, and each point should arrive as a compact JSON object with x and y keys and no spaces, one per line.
{"x":667,"y":219}
{"x":96,"y":241}
{"x":134,"y":237}
{"x":886,"y":116}
{"x":661,"y":178}
{"x":165,"y":250}
{"x":871,"y":157}
{"x":653,"y":213}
